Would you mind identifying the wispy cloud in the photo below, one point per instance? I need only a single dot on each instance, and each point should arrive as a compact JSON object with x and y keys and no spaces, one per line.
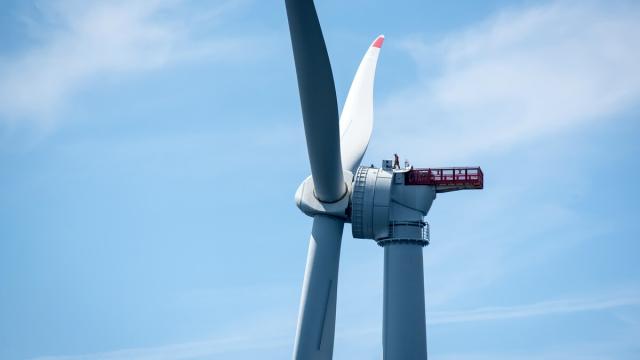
{"x":503,"y":87}
{"x":78,"y":42}
{"x":519,"y":75}
{"x":223,"y":346}
{"x":190,"y":350}
{"x":593,"y":350}
{"x":553,"y":307}
{"x":564,"y":306}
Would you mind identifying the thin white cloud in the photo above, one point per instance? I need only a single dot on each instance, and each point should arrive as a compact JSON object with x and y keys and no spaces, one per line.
{"x":592,"y":350}
{"x":554,"y":307}
{"x":251,"y":341}
{"x":522,"y":74}
{"x":564,"y":306}
{"x":189,"y":350}
{"x":78,"y":42}
{"x":503,"y":87}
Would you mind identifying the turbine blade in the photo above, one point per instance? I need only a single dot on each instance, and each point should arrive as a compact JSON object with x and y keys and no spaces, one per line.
{"x":318,"y":99}
{"x":317,"y":316}
{"x":356,"y":121}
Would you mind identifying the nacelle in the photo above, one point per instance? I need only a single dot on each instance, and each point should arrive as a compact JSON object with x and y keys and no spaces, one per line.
{"x":389,"y":204}
{"x":383,"y":206}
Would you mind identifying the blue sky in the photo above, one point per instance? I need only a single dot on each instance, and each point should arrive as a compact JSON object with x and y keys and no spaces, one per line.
{"x":150,"y":150}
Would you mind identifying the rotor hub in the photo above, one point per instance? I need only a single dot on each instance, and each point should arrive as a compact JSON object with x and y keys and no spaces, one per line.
{"x":308,"y":202}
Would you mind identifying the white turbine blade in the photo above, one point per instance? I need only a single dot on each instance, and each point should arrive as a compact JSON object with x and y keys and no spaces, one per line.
{"x":317,"y":317}
{"x":318,"y":100}
{"x":356,"y":121}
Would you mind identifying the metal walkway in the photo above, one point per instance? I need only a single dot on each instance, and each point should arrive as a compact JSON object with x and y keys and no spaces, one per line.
{"x":447,"y":179}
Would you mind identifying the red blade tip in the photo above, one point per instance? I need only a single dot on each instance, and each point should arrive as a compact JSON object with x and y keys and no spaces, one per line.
{"x":378,"y":42}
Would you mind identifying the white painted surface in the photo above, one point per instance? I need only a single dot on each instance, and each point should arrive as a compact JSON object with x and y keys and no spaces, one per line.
{"x":356,"y":120}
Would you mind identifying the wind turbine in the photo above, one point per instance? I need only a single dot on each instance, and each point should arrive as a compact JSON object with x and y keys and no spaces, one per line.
{"x":386,"y":204}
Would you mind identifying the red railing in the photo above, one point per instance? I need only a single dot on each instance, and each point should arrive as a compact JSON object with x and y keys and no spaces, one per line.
{"x":462,"y":177}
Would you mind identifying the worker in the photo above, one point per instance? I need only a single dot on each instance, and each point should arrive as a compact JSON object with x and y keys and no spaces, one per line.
{"x":396,"y":161}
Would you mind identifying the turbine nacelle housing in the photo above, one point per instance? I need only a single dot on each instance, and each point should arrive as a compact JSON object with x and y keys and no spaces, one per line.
{"x":378,"y":203}
{"x":384,"y":207}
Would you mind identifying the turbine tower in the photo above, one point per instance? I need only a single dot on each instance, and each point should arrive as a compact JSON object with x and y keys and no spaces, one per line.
{"x":386,"y":204}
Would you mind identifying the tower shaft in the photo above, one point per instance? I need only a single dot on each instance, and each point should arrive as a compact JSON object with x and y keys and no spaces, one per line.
{"x":404,"y":324}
